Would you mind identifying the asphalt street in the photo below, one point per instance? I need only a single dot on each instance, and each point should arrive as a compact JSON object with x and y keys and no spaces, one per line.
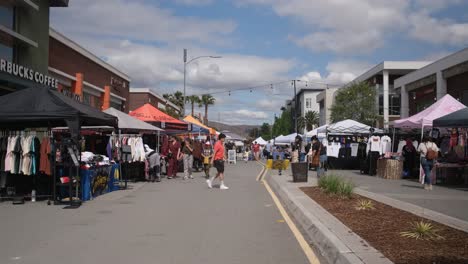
{"x":174,"y":221}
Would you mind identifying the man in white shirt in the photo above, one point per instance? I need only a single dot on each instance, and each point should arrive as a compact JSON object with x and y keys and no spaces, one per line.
{"x":426,"y":150}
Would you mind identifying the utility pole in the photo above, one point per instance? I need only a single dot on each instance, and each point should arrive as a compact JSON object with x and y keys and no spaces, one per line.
{"x":295,"y":108}
{"x":185,"y":66}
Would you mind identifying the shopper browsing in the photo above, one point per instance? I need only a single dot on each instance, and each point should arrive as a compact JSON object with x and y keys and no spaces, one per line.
{"x":218,"y":162}
{"x":429,"y":153}
{"x":207,"y":156}
{"x":187,"y":150}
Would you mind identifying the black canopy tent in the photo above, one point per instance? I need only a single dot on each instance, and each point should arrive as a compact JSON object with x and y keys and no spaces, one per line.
{"x":40,"y":107}
{"x":455,"y":119}
{"x":44,"y":107}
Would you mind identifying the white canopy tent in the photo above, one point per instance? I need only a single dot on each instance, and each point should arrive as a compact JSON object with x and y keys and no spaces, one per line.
{"x":288,"y":139}
{"x":261,"y":141}
{"x":127,"y":122}
{"x":315,"y":132}
{"x":347,"y":127}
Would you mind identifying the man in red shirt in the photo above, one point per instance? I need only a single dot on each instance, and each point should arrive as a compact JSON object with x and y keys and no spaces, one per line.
{"x":218,"y":162}
{"x":256,"y":150}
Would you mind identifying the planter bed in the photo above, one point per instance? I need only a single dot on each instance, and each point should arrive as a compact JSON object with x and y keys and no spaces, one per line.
{"x":381,"y":228}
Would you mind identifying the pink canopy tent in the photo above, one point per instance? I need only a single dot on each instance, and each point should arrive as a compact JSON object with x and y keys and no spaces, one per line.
{"x":442,"y":107}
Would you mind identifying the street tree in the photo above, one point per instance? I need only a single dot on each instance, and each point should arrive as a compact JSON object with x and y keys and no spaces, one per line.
{"x":283,"y":125}
{"x":176,"y":98}
{"x":356,"y":102}
{"x":265,"y":131}
{"x":308,"y":121}
{"x":206,"y":100}
{"x":193,"y":99}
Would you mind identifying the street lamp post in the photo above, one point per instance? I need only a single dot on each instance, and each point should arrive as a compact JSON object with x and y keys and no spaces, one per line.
{"x":185,"y":68}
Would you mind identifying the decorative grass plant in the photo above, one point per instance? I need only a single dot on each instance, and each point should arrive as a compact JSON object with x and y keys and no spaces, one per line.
{"x":364,"y":205}
{"x":422,"y":230}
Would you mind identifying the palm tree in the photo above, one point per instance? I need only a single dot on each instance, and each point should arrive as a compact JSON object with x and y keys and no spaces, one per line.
{"x":193,"y":99}
{"x":308,"y":121}
{"x":176,"y":98}
{"x":206,"y":100}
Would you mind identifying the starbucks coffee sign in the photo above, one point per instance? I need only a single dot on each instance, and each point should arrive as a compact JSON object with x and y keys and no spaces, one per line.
{"x":26,"y":73}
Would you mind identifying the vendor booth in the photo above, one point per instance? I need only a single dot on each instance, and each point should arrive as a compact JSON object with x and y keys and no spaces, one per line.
{"x":26,"y":119}
{"x":353,"y":145}
{"x":261,"y":141}
{"x":197,"y":127}
{"x":315,"y":132}
{"x":154,"y":116}
{"x":132,"y":134}
{"x":286,"y":140}
{"x":422,"y":122}
{"x":452,"y":167}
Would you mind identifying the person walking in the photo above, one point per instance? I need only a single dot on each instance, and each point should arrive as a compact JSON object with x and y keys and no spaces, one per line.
{"x":256,"y":150}
{"x":319,"y":156}
{"x":409,"y":155}
{"x":187,"y":151}
{"x":218,"y":162}
{"x":429,"y":153}
{"x":268,"y":150}
{"x":173,"y":157}
{"x":197,"y":155}
{"x":207,"y":155}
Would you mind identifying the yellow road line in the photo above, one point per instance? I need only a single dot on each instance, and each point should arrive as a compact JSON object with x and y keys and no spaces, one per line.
{"x":300,"y":238}
{"x":259,"y":176}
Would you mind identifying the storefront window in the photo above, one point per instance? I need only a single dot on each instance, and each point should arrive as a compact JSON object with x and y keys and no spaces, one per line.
{"x":117,"y":106}
{"x":87,"y":98}
{"x":7,"y":15}
{"x":393,"y":104}
{"x":7,"y":18}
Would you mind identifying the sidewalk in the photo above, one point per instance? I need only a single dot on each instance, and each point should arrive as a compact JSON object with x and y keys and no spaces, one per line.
{"x":448,"y":201}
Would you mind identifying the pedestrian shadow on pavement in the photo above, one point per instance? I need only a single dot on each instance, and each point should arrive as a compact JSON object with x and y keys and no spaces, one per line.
{"x":412,"y":186}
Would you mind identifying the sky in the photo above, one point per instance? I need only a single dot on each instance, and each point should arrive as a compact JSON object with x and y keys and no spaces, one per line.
{"x":263,"y":44}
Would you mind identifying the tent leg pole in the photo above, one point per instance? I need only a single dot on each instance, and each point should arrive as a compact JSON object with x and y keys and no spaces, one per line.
{"x":393,"y":140}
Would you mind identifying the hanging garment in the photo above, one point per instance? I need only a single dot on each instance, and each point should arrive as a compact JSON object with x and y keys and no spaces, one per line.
{"x":374,"y":144}
{"x":386,"y":143}
{"x":17,"y":154}
{"x":401,"y":144}
{"x":3,"y":151}
{"x":45,"y":152}
{"x":334,"y":149}
{"x":362,"y":151}
{"x":354,"y":149}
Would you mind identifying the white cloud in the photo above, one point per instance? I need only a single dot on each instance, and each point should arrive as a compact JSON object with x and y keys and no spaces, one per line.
{"x":338,"y":73}
{"x":194,"y":2}
{"x":251,"y":114}
{"x":434,"y":56}
{"x":434,"y":5}
{"x":136,"y":19}
{"x":362,"y":26}
{"x":437,"y":31}
{"x":149,"y":65}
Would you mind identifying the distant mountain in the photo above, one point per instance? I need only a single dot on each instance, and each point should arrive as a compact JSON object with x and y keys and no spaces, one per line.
{"x":242,"y":130}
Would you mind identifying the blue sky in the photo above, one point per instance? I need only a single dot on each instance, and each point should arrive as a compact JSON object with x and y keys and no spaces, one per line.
{"x":261,"y":42}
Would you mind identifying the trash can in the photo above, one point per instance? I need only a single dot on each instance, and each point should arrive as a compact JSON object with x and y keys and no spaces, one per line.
{"x":299,"y":171}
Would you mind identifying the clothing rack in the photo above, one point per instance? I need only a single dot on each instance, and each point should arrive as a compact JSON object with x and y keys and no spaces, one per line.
{"x":40,"y":133}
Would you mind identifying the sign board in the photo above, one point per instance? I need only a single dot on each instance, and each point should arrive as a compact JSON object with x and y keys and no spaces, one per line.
{"x":232,"y":156}
{"x":117,"y":84}
{"x":28,"y":74}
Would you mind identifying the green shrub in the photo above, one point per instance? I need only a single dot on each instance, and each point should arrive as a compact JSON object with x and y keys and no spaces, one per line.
{"x":335,"y":185}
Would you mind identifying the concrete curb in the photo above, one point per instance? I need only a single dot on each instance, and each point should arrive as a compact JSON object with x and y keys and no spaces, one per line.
{"x":417,"y":210}
{"x":336,"y":242}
